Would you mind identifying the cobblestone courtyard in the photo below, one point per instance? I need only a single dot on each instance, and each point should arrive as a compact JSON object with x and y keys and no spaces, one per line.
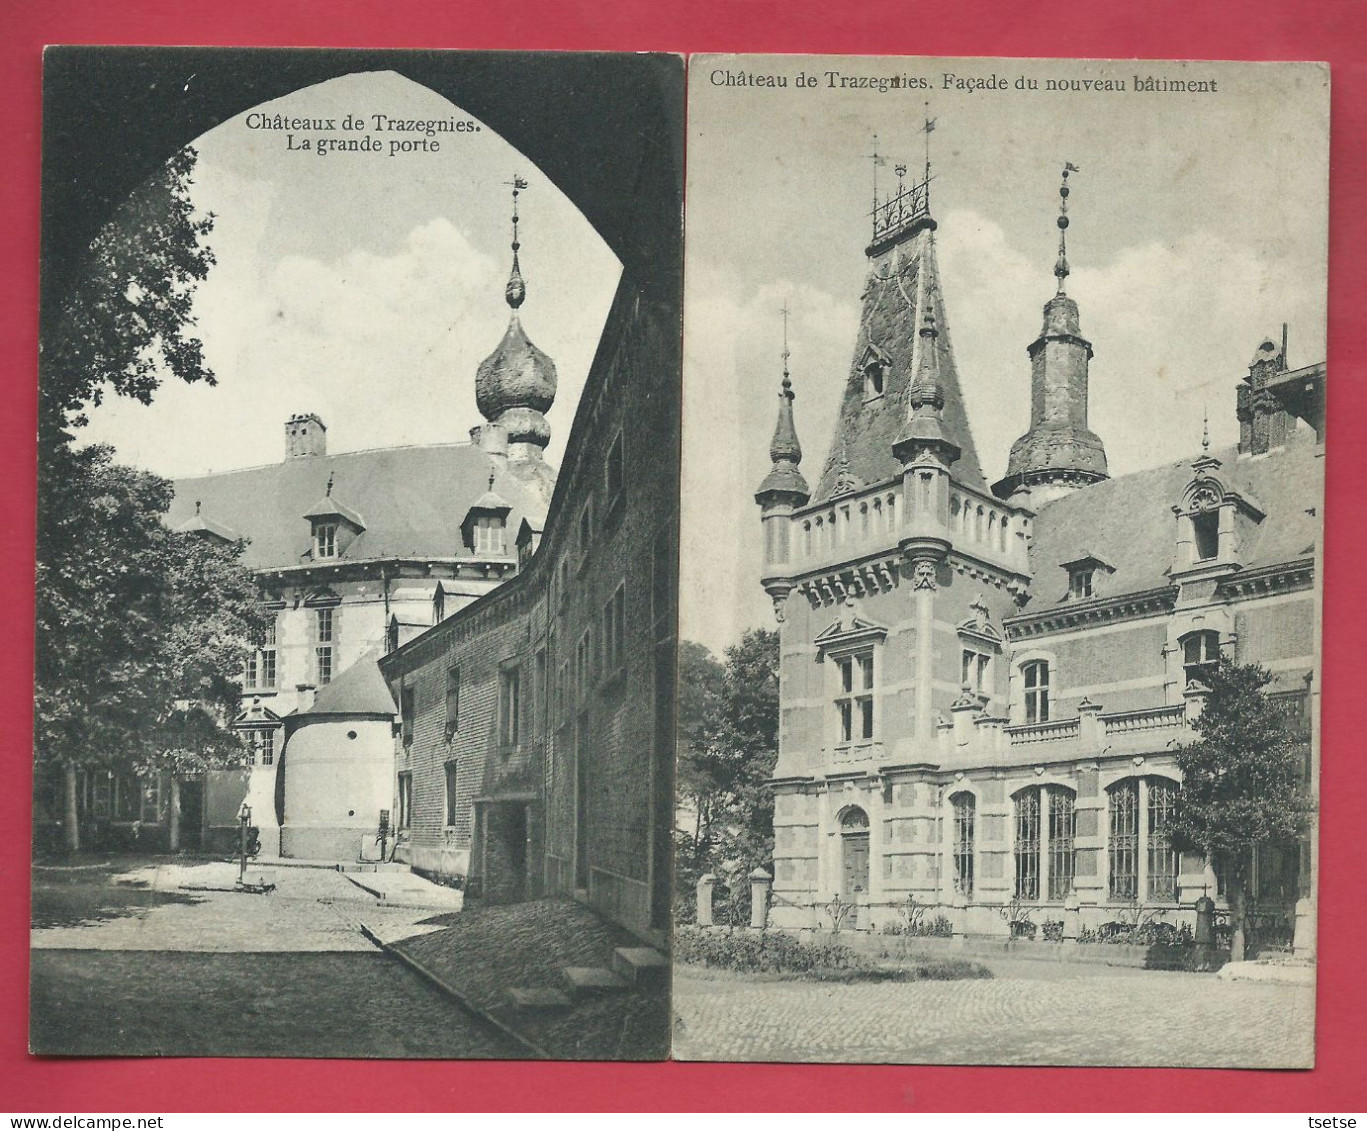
{"x":154,"y":969}
{"x":1030,"y":1013}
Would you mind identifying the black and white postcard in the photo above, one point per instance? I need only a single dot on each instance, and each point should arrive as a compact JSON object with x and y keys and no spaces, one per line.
{"x":359,"y":417}
{"x":1002,"y":509}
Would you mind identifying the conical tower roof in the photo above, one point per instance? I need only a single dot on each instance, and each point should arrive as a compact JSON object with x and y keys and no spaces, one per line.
{"x":903,"y":285}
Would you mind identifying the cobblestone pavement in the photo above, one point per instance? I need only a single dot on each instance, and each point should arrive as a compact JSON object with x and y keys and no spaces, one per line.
{"x":155,"y":969}
{"x":119,"y":1003}
{"x":1023,"y":1016}
{"x":311,"y":910}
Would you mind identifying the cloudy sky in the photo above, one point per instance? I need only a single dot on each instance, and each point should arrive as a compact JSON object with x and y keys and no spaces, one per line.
{"x":1199,"y":226}
{"x":365,"y":288}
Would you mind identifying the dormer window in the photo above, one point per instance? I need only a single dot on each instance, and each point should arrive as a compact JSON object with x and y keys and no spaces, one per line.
{"x":335,"y":526}
{"x":873,"y":364}
{"x":489,"y":533}
{"x":1085,"y":576}
{"x":1206,"y":530}
{"x":1080,"y":583}
{"x":873,"y":379}
{"x":325,"y":540}
{"x":484,"y":528}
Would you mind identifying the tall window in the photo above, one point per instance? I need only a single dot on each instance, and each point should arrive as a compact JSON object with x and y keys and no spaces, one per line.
{"x":1061,"y":829}
{"x":407,"y":715}
{"x":323,"y":646}
{"x":965,"y":813}
{"x":452,"y":701}
{"x":1206,"y":528}
{"x":489,"y":534}
{"x":1200,"y":653}
{"x":583,"y":664}
{"x":613,"y":472}
{"x":325,"y":539}
{"x":976,"y":671}
{"x":1027,"y":844}
{"x":1162,"y":858}
{"x":854,"y":704}
{"x":1122,"y":851}
{"x":267,"y":651}
{"x":261,"y":748}
{"x":450,"y":775}
{"x":614,"y":631}
{"x":1036,"y":676}
{"x":509,"y":706}
{"x":405,"y":799}
{"x":585,"y":529}
{"x":1045,"y":827}
{"x":873,"y":379}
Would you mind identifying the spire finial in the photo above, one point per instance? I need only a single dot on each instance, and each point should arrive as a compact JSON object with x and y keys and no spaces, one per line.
{"x":516,"y":289}
{"x":491,"y":479}
{"x":1205,"y":431}
{"x":1061,"y":267}
{"x":196,"y":508}
{"x":876,"y":159}
{"x":928,"y":129}
{"x":787,"y":353}
{"x":330,"y":484}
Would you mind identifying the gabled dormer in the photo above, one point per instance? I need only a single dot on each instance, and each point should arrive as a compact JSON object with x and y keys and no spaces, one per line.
{"x":528,"y":539}
{"x":1215,"y":519}
{"x":206,"y":527}
{"x":848,"y":632}
{"x":1086,"y":577}
{"x":333,"y":527}
{"x":484,"y":530}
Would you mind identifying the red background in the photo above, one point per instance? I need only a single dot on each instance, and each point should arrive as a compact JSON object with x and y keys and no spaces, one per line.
{"x":1330,"y":30}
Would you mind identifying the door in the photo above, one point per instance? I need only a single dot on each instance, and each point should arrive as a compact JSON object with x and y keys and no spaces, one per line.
{"x":856,"y":853}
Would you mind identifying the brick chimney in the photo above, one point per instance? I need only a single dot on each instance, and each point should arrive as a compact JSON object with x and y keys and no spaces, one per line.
{"x":306,"y":435}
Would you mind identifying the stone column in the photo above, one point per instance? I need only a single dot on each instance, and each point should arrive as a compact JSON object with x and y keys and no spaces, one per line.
{"x":924,"y":586}
{"x":706,"y":885}
{"x":760,"y":882}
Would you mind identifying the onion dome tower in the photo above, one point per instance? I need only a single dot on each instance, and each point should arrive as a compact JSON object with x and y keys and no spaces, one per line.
{"x":515,"y":385}
{"x":1059,"y":453}
{"x":783,"y":490}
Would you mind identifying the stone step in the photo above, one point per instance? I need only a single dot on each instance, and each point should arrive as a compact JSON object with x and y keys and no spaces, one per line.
{"x":641,"y":965}
{"x":538,"y":999}
{"x":586,"y":981}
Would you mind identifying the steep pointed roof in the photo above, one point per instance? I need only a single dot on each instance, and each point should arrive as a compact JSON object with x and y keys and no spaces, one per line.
{"x":903,"y":281}
{"x":359,"y":690}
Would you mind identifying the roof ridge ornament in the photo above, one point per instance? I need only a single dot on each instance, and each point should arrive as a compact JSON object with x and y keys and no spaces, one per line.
{"x":516,"y":290}
{"x":1061,"y":271}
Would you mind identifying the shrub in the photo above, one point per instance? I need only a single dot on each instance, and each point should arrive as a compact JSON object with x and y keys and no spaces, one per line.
{"x":751,"y":952}
{"x":1052,"y":930}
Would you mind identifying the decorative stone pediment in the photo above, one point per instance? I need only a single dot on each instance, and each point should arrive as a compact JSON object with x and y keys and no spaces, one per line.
{"x":849,"y":630}
{"x":979,"y":626}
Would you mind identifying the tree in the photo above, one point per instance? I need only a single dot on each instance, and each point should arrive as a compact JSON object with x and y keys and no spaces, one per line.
{"x":140,"y":631}
{"x":213,"y":619}
{"x":728,"y":743}
{"x":135,"y":624}
{"x":1243,"y":781}
{"x":128,"y":323}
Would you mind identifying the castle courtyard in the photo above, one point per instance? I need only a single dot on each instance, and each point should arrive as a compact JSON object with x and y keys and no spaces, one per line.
{"x":1029,"y":1012}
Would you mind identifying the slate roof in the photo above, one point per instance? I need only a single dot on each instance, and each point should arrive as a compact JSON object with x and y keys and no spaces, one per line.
{"x":1128,"y":522}
{"x":413,"y":499}
{"x":359,"y":690}
{"x":890,"y":321}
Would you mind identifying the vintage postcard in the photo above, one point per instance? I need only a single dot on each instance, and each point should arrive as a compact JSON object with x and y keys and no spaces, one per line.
{"x":359,"y":434}
{"x":1002,"y":511}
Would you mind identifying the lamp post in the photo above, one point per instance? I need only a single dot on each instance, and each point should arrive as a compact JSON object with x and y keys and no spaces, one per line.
{"x":244,"y":820}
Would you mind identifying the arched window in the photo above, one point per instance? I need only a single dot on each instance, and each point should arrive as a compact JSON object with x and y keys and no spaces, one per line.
{"x":1036,"y":677}
{"x":807,"y":539}
{"x":1200,"y":653}
{"x":1143,"y":863}
{"x":1027,"y":844}
{"x":1001,"y":534}
{"x":873,"y":379}
{"x":864,"y":520}
{"x":1045,"y":827}
{"x":965,"y":815}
